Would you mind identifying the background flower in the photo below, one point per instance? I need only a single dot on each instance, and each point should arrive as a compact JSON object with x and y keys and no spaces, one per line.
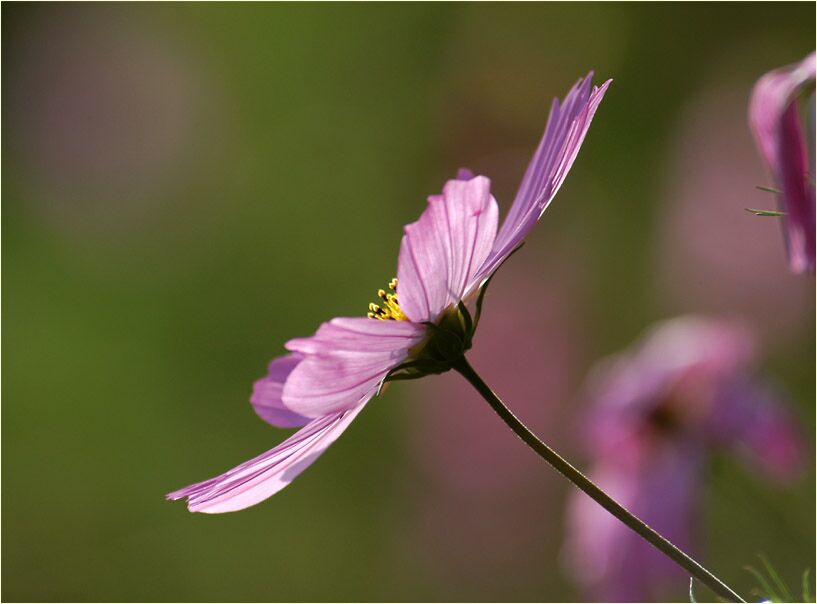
{"x":659,"y":411}
{"x":774,"y":116}
{"x":714,"y":257}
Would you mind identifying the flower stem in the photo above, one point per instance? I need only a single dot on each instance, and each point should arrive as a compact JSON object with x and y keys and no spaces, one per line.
{"x":598,"y":495}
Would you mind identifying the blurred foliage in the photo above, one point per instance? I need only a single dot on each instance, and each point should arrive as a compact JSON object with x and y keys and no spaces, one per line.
{"x":771,"y":588}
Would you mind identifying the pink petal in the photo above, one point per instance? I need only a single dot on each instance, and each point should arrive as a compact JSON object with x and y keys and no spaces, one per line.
{"x":265,"y":475}
{"x":776,"y":126}
{"x":464,"y":174}
{"x":345,"y":361}
{"x":659,"y":485}
{"x":441,"y":252}
{"x":266,"y":394}
{"x":566,"y":128}
{"x":798,"y":193}
{"x":755,"y":420}
{"x":775,"y":444}
{"x":772,"y":94}
{"x":358,"y":334}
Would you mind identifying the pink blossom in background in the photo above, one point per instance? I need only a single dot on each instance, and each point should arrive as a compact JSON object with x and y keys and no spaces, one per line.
{"x":775,"y":121}
{"x":527,"y":347}
{"x":712,"y":256}
{"x":445,"y":258}
{"x":658,"y":411}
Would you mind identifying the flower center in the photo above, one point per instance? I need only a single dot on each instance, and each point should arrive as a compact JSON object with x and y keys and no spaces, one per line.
{"x":390,"y":311}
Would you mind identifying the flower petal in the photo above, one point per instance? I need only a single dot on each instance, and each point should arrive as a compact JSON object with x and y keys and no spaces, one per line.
{"x":464,"y":174}
{"x":566,"y":128}
{"x":798,"y":193}
{"x":771,"y":96}
{"x":266,"y":394}
{"x":659,"y":485}
{"x":754,"y":419}
{"x":441,"y":252}
{"x":358,"y":334}
{"x":265,"y":475}
{"x":776,"y":126}
{"x":344,"y":362}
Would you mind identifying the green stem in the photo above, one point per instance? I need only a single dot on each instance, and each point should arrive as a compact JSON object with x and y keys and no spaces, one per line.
{"x":594,"y":492}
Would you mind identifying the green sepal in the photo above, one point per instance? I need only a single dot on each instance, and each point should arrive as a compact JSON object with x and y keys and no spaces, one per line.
{"x":466,"y":318}
{"x":764,"y":212}
{"x":411,"y":370}
{"x":448,"y":341}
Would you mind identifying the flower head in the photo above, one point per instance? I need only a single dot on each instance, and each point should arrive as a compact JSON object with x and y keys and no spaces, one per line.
{"x":658,"y":412}
{"x":775,"y":122}
{"x":422,"y":326}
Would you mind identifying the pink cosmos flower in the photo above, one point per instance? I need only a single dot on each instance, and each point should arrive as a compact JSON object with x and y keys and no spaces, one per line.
{"x":658,"y":412}
{"x":446,"y":258}
{"x":775,"y":123}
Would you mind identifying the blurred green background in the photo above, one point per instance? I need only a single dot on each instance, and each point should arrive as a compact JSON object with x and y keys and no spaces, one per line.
{"x":186,"y":186}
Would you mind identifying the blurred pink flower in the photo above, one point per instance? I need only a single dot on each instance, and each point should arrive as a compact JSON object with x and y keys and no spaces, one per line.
{"x":658,"y":412}
{"x":445,"y":259}
{"x":713,"y":257}
{"x":775,"y":121}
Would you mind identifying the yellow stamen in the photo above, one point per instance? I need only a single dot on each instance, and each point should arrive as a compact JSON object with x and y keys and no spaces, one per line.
{"x":390,"y":311}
